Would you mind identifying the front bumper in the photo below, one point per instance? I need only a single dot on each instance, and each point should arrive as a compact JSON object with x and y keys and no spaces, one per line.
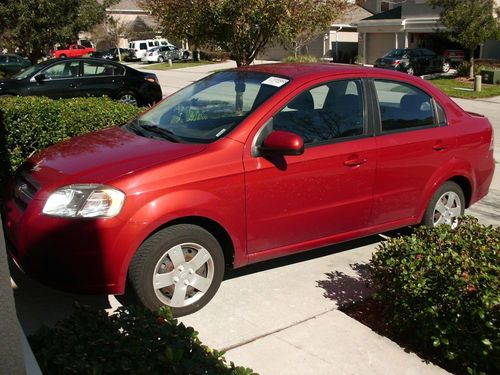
{"x":76,"y":255}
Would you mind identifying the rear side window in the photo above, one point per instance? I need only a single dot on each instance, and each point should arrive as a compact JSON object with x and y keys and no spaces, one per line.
{"x":92,"y":68}
{"x":403,"y":106}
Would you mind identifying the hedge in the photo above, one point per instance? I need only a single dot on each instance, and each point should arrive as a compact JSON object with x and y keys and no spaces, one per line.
{"x":133,"y":340}
{"x":441,"y":286}
{"x":29,"y":124}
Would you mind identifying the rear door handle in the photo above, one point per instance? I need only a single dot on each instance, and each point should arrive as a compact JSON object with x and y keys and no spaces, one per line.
{"x":355,"y":162}
{"x":440,"y":146}
{"x":73,"y":85}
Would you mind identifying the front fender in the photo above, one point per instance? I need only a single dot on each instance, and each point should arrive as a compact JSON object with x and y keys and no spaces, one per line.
{"x":156,"y":213}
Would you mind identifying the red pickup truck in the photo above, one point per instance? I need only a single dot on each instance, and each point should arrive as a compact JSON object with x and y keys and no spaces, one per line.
{"x":73,"y":50}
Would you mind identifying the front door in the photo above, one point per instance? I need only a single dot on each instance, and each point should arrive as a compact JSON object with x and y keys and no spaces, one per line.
{"x":327,"y":190}
{"x":61,"y":81}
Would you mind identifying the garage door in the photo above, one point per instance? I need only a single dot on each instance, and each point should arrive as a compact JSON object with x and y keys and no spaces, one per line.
{"x":377,"y":45}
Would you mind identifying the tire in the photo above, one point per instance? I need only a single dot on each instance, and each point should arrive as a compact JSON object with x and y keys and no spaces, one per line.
{"x":128,"y":97}
{"x":185,"y":55}
{"x":446,"y":206}
{"x":161,"y":59}
{"x":446,"y":67}
{"x":173,"y":251}
{"x":410,"y":70}
{"x":62,"y":56}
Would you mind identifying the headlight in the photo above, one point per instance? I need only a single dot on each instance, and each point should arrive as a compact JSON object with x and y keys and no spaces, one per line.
{"x":86,"y":200}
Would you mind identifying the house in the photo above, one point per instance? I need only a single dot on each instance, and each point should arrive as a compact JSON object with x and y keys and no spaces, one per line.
{"x":339,"y":42}
{"x":408,"y":24}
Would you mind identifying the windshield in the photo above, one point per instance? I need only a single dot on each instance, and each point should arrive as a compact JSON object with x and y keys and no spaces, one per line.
{"x":25,"y":73}
{"x":208,"y":109}
{"x":397,"y":53}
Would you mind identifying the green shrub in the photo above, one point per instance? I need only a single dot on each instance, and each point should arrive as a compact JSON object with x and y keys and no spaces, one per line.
{"x":463,"y":69}
{"x":131,"y":341}
{"x":300,"y":59}
{"x":29,"y":124}
{"x":441,"y":286}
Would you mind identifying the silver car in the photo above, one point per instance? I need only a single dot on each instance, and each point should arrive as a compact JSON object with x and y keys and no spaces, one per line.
{"x":165,"y":53}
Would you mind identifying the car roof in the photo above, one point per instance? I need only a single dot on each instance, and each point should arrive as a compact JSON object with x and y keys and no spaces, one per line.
{"x":305,"y":70}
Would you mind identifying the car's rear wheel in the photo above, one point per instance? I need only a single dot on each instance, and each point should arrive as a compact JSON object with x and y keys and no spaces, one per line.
{"x":446,"y":206}
{"x":128,"y":97}
{"x":180,"y":266}
{"x":161,"y":59}
{"x":410,"y":70}
{"x":62,"y":56}
{"x":185,"y":55}
{"x":446,"y":67}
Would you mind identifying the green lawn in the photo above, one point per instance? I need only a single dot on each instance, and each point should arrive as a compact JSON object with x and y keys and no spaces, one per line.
{"x":178,"y":65}
{"x":458,"y":89}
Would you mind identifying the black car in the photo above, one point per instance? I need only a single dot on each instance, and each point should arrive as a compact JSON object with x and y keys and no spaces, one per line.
{"x":414,"y":61}
{"x":77,"y":77}
{"x":111,"y":53}
{"x":10,"y":63}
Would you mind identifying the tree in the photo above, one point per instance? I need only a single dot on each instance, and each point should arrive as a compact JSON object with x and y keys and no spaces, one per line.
{"x":469,"y":22}
{"x":244,"y":27}
{"x":32,"y":27}
{"x":308,"y":19}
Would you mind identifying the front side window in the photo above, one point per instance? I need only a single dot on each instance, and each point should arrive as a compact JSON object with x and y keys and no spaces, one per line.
{"x":324,"y":113}
{"x":208,"y":109}
{"x":63,"y":70}
{"x":403,"y":106}
{"x":143,"y":46}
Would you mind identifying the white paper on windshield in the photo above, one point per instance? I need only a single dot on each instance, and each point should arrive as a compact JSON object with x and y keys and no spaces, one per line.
{"x":275,"y":81}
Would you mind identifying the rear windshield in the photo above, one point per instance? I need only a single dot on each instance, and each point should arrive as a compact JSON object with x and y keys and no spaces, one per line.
{"x":208,"y":109}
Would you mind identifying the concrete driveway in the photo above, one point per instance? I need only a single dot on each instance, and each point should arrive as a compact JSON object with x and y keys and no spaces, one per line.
{"x":281,"y":316}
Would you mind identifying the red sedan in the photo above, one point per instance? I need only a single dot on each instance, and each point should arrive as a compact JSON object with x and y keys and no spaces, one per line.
{"x":245,"y":165}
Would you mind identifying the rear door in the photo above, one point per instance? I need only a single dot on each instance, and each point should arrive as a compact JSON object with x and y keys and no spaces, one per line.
{"x":101,"y":78}
{"x":413,"y":141}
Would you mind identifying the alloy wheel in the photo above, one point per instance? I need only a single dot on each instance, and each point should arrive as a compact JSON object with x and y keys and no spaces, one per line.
{"x":447,"y":210}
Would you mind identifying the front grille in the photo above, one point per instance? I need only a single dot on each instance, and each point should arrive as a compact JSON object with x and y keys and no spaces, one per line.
{"x":25,"y":188}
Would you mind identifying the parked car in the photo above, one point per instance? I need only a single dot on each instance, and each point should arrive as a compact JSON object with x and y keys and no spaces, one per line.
{"x":111,"y":53}
{"x":10,"y":63}
{"x":414,"y":61}
{"x":455,"y":56}
{"x":69,"y":78}
{"x":164,"y":53}
{"x":138,"y":48}
{"x":73,"y":50}
{"x":245,"y":165}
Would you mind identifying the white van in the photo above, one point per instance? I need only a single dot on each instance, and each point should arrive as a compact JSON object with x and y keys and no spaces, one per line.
{"x":139,"y":47}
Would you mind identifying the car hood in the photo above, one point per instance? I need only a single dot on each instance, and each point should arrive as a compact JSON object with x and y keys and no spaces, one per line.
{"x":103,"y":156}
{"x":7,"y":83}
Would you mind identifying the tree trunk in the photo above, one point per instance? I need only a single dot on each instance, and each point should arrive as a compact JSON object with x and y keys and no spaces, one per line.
{"x":471,"y":60}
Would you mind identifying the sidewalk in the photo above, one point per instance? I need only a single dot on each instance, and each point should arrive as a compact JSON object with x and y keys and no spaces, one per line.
{"x":281,"y":316}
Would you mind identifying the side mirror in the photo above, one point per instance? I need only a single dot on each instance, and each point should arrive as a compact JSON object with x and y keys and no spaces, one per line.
{"x":40,"y":77}
{"x":281,"y":142}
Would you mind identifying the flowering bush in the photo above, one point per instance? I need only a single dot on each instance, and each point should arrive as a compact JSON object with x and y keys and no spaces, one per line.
{"x":442,"y":287}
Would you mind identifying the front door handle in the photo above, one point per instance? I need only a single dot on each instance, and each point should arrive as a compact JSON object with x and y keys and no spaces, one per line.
{"x":355,"y":162}
{"x":73,"y":85}
{"x":440,"y":146}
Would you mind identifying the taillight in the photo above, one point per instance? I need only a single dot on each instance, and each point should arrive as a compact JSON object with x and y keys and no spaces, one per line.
{"x":396,"y":62}
{"x":152,"y":79}
{"x":492,"y":139}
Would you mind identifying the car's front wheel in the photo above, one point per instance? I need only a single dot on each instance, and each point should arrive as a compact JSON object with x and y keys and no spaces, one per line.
{"x":180,"y":266}
{"x":446,"y":206}
{"x":161,"y":59}
{"x":410,"y":70}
